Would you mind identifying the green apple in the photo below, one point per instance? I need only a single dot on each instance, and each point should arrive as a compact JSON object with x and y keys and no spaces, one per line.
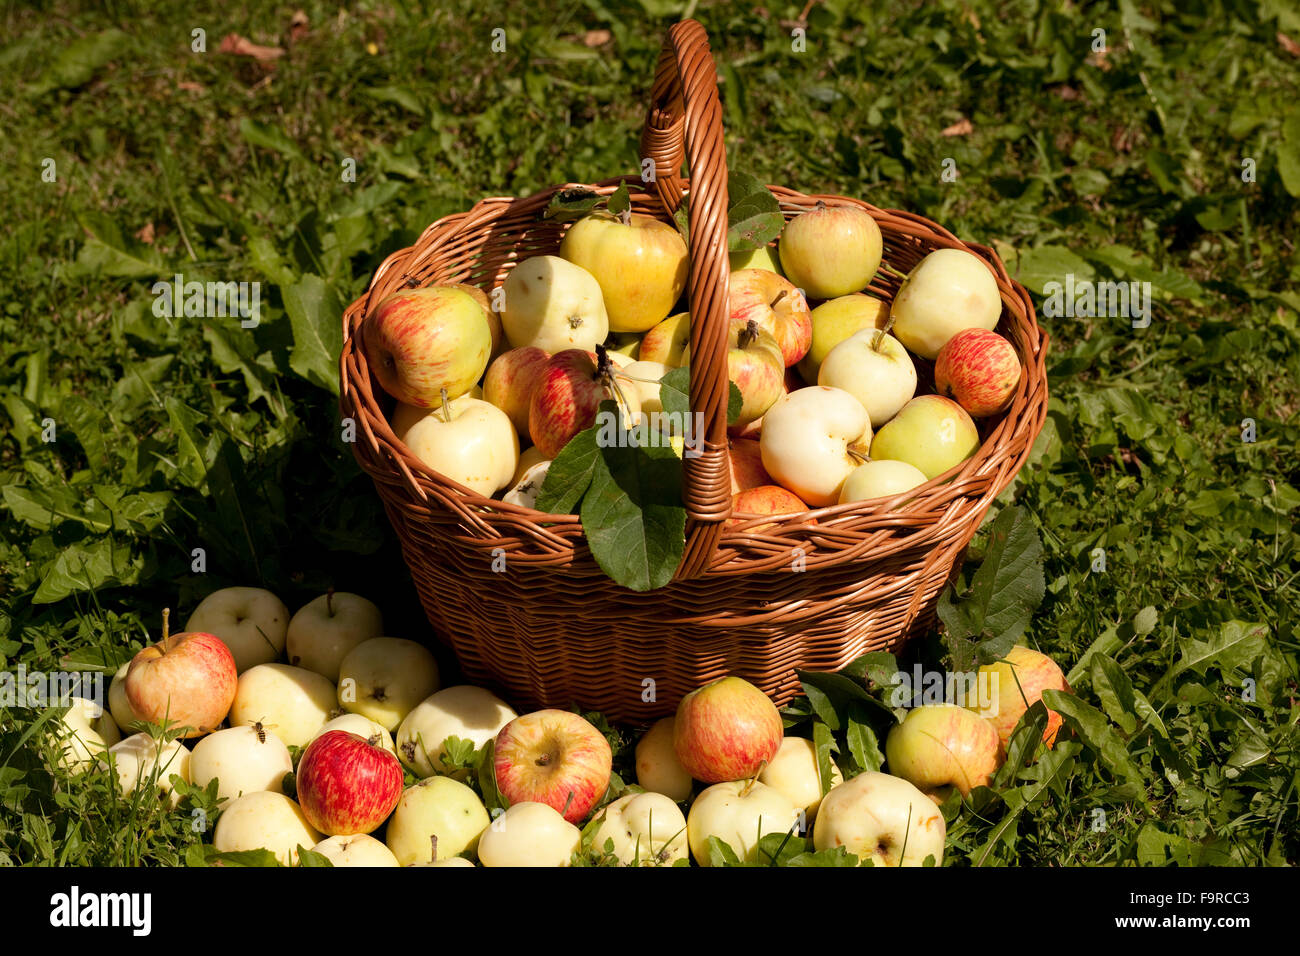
{"x":1018,"y":680}
{"x":947,"y":291}
{"x":666,"y":341}
{"x":941,"y":747}
{"x":739,"y":813}
{"x":834,"y":321}
{"x":880,"y":478}
{"x":470,"y":441}
{"x":529,"y":834}
{"x":441,"y":808}
{"x":882,"y":818}
{"x":553,"y":305}
{"x":874,"y":368}
{"x":931,"y":432}
{"x":831,"y":251}
{"x":640,"y":264}
{"x":384,"y":679}
{"x":760,"y":258}
{"x":624,"y":343}
{"x":646,"y":829}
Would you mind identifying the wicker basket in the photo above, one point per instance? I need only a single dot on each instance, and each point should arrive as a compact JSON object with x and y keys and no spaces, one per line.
{"x":807,"y":591}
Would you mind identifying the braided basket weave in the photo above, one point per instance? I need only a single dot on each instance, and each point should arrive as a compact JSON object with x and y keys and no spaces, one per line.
{"x":811,"y":590}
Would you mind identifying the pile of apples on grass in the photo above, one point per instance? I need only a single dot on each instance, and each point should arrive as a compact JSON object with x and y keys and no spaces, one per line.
{"x":829,"y":410}
{"x":347,"y":690}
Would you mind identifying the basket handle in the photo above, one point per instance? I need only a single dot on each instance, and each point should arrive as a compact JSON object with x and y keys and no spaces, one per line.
{"x":685,"y":122}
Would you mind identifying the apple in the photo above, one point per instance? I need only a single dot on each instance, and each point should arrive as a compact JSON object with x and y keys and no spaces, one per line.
{"x":939,"y":747}
{"x":883,"y":819}
{"x":880,"y":478}
{"x":510,"y":381}
{"x":643,"y":377}
{"x":639,"y":262}
{"x":874,"y":368}
{"x":450,"y":861}
{"x":567,"y":397}
{"x":755,"y":365}
{"x":777,"y":306}
{"x":118,"y":705}
{"x":493,"y":320}
{"x":835,"y":321}
{"x":947,"y":291}
{"x":739,"y":813}
{"x":470,"y":441}
{"x":376,"y":734}
{"x":553,"y":305}
{"x":186,"y":679}
{"x":657,"y":767}
{"x":385,"y":677}
{"x":980,"y":370}
{"x":422,"y":342}
{"x":726,"y":730}
{"x":144,"y":760}
{"x":624,"y":343}
{"x":760,"y":258}
{"x":1018,"y":680}
{"x":84,"y":731}
{"x":347,"y":784}
{"x":931,"y":433}
{"x":553,"y":757}
{"x":794,"y":772}
{"x":250,"y":621}
{"x":831,"y":251}
{"x":242,"y":760}
{"x":265,"y":821}
{"x":326,"y":628}
{"x":470,"y":713}
{"x":813,"y":439}
{"x":665,"y":342}
{"x":646,"y":829}
{"x":355,"y":849}
{"x":291,"y":702}
{"x":441,"y":809}
{"x":524,"y":492}
{"x":764,"y":500}
{"x":747,"y":469}
{"x":529,"y":834}
{"x":527,"y":458}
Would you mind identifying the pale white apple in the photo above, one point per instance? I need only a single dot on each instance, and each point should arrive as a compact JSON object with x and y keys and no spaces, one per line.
{"x":795,"y":773}
{"x":468,"y":440}
{"x":880,"y":478}
{"x":657,"y":766}
{"x":436,"y":808}
{"x":553,"y":305}
{"x":646,"y":829}
{"x":326,"y":628}
{"x":529,"y":834}
{"x":385,"y":677}
{"x":470,"y":713}
{"x":881,"y":818}
{"x":530,"y":456}
{"x":84,"y":732}
{"x":644,"y":378}
{"x":450,"y":861}
{"x":525,"y":490}
{"x":292,"y":702}
{"x":141,"y":759}
{"x":739,"y":813}
{"x":947,"y":291}
{"x":241,"y":760}
{"x":360,"y":849}
{"x":265,"y":821}
{"x":812,"y":440}
{"x":879,"y":374}
{"x":249,"y":621}
{"x":363,"y":727}
{"x":123,"y":714}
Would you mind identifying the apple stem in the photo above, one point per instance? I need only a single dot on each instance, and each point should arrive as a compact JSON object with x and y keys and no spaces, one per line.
{"x":446,"y":414}
{"x":749,"y":784}
{"x":166,"y":614}
{"x":329,"y":598}
{"x":881,"y":333}
{"x":433,"y":841}
{"x":779,"y":296}
{"x":567,"y":802}
{"x":748,"y":334}
{"x":858,"y":455}
{"x":625,"y":217}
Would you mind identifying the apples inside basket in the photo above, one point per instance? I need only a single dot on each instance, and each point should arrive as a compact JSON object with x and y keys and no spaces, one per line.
{"x":758,"y":427}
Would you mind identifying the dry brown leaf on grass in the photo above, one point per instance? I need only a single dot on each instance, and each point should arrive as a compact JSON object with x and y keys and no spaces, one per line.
{"x":596,"y":38}
{"x":237,"y":45}
{"x":1286,"y":43}
{"x":962,"y":127}
{"x":190,"y":86}
{"x":299,"y":25}
{"x":145,"y":234}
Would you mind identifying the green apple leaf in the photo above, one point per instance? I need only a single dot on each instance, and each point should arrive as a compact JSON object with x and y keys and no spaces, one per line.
{"x":837,"y":856}
{"x":675,"y":394}
{"x":308,"y":857}
{"x":1004,"y":593}
{"x":315,"y":313}
{"x":824,"y":742}
{"x":1115,"y":691}
{"x":721,"y":854}
{"x":753,"y":214}
{"x":620,"y":201}
{"x":568,"y":204}
{"x":1097,"y":733}
{"x":863,"y":744}
{"x":570,"y":474}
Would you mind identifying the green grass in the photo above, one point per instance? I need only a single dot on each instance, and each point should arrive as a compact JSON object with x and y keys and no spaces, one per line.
{"x":184,"y":434}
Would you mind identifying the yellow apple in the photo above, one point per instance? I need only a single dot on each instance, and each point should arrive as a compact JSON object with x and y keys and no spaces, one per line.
{"x":831,"y":251}
{"x":835,"y":321}
{"x":665,"y":342}
{"x":947,"y":291}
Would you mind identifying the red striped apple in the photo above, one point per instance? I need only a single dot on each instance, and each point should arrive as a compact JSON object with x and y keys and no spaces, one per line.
{"x":812,"y":440}
{"x":947,"y":291}
{"x":764,"y":500}
{"x":931,"y":432}
{"x":421,"y":342}
{"x":553,"y":757}
{"x":187,"y":679}
{"x":726,"y":730}
{"x":942,"y":747}
{"x":980,"y":370}
{"x":567,"y":397}
{"x":639,"y":262}
{"x":346,"y":784}
{"x":510,"y":381}
{"x":777,"y":306}
{"x":1019,"y":680}
{"x":755,"y":365}
{"x":831,"y":251}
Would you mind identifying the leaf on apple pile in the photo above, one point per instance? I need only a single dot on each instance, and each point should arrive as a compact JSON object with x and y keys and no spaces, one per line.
{"x":675,"y":394}
{"x":983,"y":625}
{"x":620,"y":201}
{"x":753,"y":214}
{"x":308,"y":857}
